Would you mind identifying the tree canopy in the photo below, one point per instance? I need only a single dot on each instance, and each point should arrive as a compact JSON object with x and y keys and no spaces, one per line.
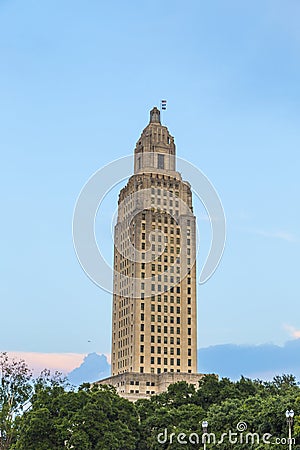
{"x":47,"y":413}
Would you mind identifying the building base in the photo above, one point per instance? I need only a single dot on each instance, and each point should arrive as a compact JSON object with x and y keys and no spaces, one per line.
{"x":133,"y":386}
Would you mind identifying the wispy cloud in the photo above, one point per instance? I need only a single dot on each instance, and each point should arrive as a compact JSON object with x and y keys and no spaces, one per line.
{"x":293,"y":332}
{"x":279,"y":234}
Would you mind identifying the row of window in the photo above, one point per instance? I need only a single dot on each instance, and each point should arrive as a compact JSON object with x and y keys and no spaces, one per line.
{"x":158,"y":201}
{"x":159,"y":361}
{"x":132,"y":391}
{"x":157,"y":298}
{"x":159,"y":370}
{"x":165,"y":308}
{"x":158,"y":350}
{"x":137,"y":383}
{"x":165,"y":339}
{"x":166,"y":288}
{"x":165,"y":361}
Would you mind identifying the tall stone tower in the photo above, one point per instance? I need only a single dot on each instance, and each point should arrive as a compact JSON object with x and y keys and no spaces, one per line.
{"x":154,"y":322}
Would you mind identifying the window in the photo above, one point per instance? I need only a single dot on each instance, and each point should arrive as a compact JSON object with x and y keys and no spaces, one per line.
{"x":142,"y":349}
{"x":152,"y":360}
{"x":141,"y":359}
{"x":161,"y":163}
{"x":142,"y":337}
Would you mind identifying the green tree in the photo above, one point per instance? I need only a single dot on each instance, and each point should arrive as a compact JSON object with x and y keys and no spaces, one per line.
{"x":92,"y":418}
{"x":15,"y":392}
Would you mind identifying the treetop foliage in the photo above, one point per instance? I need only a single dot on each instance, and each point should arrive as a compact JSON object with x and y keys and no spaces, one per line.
{"x":48,"y":414}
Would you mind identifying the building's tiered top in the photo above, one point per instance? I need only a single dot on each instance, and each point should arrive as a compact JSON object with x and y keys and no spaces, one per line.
{"x":155,"y":149}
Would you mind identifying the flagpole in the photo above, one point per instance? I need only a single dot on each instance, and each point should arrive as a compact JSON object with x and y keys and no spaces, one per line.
{"x":163,"y":107}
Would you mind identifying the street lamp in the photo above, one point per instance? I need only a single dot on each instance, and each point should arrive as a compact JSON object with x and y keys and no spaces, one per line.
{"x":290,"y":420}
{"x":204,"y":428}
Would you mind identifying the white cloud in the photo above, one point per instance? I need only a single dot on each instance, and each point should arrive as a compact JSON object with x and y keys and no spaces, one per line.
{"x":293,"y":332}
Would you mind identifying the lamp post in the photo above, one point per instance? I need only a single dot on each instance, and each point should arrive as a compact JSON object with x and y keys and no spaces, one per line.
{"x":204,"y":428}
{"x":290,"y":420}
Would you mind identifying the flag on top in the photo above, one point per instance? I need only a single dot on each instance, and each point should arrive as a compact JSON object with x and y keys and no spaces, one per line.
{"x":163,"y":104}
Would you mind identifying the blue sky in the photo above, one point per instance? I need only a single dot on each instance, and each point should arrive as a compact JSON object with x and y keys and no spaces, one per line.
{"x":77,"y":80}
